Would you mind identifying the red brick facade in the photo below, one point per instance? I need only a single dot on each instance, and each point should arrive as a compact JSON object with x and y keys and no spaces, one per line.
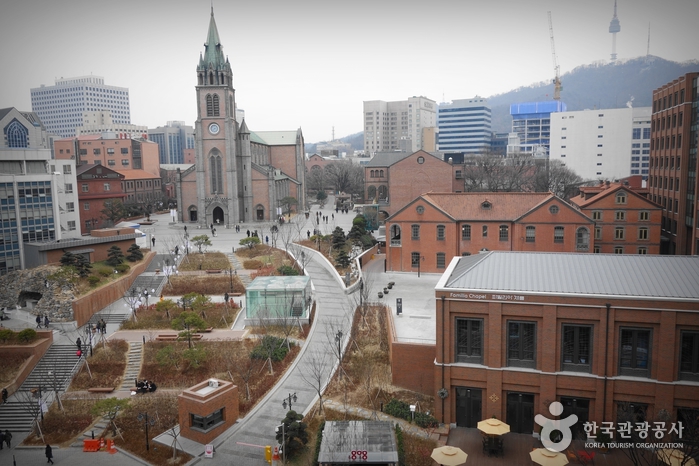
{"x":197,"y":404}
{"x":117,"y":154}
{"x":96,"y":185}
{"x":672,"y":179}
{"x":625,"y":221}
{"x":394,"y":183}
{"x":438,"y":226}
{"x":599,"y":377}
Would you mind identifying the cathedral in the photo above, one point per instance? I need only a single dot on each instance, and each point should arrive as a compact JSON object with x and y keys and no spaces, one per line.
{"x":239,"y":175}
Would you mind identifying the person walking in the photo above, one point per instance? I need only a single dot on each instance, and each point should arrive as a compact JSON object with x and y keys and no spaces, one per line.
{"x":49,"y":453}
{"x":4,"y":395}
{"x":8,"y":438}
{"x":104,"y":325}
{"x":79,"y":344}
{"x":152,"y":240}
{"x":185,"y":229}
{"x":46,"y":321}
{"x":38,"y":321}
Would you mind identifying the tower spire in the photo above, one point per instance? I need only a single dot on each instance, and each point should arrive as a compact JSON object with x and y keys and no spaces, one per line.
{"x":614,"y":27}
{"x":213,"y":54}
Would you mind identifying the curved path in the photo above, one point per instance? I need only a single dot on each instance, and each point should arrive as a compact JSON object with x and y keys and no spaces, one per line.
{"x":242,"y":444}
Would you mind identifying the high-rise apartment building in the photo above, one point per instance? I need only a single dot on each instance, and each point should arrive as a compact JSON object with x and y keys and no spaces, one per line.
{"x":605,"y":144}
{"x":173,"y":139}
{"x":396,"y":126}
{"x":61,"y":107}
{"x":531,"y":121}
{"x":464,"y":126}
{"x":673,"y":163}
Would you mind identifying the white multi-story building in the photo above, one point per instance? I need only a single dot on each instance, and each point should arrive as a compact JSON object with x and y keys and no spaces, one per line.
{"x":602,"y":144}
{"x":102,"y":122}
{"x":397,"y":126}
{"x":37,"y":193}
{"x":61,"y":107}
{"x":464,"y":126}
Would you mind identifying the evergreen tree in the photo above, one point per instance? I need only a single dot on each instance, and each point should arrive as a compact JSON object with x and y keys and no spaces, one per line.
{"x":342,"y":259}
{"x":134,"y":253}
{"x":115,"y":256}
{"x":294,"y":434}
{"x":338,"y":238}
{"x":82,"y":265}
{"x":68,"y":259}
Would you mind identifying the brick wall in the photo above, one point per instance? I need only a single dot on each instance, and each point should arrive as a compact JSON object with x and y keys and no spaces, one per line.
{"x":96,"y":300}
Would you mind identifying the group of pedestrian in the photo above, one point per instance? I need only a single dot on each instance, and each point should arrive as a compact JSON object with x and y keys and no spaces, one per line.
{"x":344,"y":210}
{"x":100,"y":327}
{"x":5,"y":437}
{"x":237,"y":228}
{"x":42,"y":320}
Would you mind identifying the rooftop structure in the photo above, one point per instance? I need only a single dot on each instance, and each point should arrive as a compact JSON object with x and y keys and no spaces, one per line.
{"x":373,"y":441}
{"x":278,"y":298}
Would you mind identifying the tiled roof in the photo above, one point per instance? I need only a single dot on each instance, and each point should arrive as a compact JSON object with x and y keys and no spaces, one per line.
{"x":386,"y":159}
{"x":614,"y":275}
{"x":503,"y":206}
{"x":582,"y":202}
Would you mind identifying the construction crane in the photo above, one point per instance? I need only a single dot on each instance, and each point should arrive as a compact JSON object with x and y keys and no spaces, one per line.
{"x":557,"y":69}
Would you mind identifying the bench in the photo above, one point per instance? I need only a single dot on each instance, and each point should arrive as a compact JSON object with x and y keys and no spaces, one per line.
{"x":213,"y":271}
{"x":206,"y":330}
{"x":101,"y":390}
{"x":236,"y":295}
{"x":172,"y":337}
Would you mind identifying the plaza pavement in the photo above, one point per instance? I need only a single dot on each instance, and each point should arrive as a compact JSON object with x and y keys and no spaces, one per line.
{"x":243,"y":444}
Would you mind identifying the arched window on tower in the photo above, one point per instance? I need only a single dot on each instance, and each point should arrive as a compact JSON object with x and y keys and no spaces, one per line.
{"x":216,"y":174}
{"x":201,"y":79}
{"x":216,"y":111}
{"x":211,"y":78}
{"x":209,"y":105}
{"x":16,"y":134}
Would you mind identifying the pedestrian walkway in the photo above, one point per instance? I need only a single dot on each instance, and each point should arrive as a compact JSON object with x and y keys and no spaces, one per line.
{"x":242,"y":444}
{"x":240,"y":271}
{"x":133,"y":367}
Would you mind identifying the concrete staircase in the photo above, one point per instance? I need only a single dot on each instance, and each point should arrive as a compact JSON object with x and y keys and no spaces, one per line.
{"x":133,"y":367}
{"x":244,"y":277}
{"x":53,"y":373}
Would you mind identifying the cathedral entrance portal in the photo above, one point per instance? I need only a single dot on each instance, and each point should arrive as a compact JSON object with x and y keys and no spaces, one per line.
{"x":192,"y":214}
{"x":218,"y":216}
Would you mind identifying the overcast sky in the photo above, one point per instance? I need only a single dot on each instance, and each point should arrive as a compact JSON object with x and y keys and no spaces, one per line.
{"x":311,"y":63}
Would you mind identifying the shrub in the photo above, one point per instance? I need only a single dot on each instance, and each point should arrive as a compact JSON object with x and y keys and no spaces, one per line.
{"x":27,"y":335}
{"x":122,"y":268}
{"x":270,"y":346}
{"x":425,"y":420}
{"x":319,"y":440}
{"x":397,"y":408}
{"x":400,"y":446}
{"x":252,"y":264}
{"x":6,"y":335}
{"x":287,"y":270}
{"x":104,"y":270}
{"x":93,"y":280}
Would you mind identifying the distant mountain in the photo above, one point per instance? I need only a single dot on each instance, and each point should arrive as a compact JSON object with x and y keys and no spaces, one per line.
{"x":599,"y":85}
{"x":356,"y":140}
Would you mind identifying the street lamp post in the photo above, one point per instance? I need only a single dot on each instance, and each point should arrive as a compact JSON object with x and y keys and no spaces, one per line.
{"x":143,"y":417}
{"x":338,"y":339}
{"x":419,"y":259}
{"x":290,"y":398}
{"x":230,"y":276}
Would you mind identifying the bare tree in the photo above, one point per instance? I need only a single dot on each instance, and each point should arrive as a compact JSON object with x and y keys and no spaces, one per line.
{"x":345,"y":177}
{"x":169,"y":421}
{"x":316,"y":374}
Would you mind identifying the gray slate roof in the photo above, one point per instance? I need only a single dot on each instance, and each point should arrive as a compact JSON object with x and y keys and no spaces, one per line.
{"x":615,"y":275}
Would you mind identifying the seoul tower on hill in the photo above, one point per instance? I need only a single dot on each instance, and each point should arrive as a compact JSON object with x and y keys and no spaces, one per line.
{"x":614,"y":27}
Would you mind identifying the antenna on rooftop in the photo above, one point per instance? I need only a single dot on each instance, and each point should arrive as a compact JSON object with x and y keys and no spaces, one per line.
{"x":648,"y":47}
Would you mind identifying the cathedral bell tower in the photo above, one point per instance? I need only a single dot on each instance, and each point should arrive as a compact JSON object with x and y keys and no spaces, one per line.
{"x":220,"y":172}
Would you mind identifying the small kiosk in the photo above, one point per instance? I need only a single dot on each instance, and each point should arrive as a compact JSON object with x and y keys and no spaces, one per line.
{"x":207,"y":409}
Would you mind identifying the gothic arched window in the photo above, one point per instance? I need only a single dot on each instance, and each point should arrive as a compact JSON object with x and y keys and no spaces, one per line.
{"x":211,"y":78}
{"x":216,"y":174}
{"x":216,"y":112}
{"x":209,"y":105}
{"x":17,"y":135}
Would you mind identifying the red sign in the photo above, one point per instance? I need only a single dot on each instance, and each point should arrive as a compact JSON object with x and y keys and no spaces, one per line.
{"x":209,"y":451}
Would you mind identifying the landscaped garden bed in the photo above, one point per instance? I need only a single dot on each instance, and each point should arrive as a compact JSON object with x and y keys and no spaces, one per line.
{"x":106,"y":366}
{"x":160,"y":316}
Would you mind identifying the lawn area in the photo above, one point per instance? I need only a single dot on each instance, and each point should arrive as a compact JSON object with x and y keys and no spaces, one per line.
{"x":160,"y":316}
{"x":107,"y":365}
{"x":175,"y":365}
{"x":60,"y":427}
{"x":11,"y":364}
